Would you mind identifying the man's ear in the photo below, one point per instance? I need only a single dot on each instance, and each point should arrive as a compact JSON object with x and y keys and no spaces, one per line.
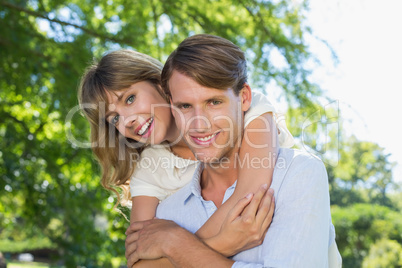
{"x":245,"y":97}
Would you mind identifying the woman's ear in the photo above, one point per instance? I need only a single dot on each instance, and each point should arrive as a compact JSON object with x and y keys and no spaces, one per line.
{"x":245,"y":97}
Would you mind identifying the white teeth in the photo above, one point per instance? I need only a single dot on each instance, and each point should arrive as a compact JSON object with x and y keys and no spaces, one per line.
{"x":206,"y":138}
{"x":145,"y":126}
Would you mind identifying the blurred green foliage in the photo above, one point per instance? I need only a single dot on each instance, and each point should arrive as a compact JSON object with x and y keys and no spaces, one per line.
{"x":384,"y":253}
{"x":366,"y":200}
{"x":365,"y":230}
{"x":50,"y":193}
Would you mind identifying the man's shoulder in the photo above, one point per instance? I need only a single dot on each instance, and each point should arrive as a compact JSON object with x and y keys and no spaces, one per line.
{"x":296,"y":166}
{"x":290,"y":157}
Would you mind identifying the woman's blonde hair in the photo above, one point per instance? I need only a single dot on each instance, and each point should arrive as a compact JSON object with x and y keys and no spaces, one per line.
{"x":117,"y":155}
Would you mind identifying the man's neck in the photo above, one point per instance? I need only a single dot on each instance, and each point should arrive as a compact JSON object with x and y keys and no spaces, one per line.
{"x":216,"y":178}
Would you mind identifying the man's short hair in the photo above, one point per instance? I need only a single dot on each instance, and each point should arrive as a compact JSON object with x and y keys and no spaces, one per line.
{"x":209,"y":60}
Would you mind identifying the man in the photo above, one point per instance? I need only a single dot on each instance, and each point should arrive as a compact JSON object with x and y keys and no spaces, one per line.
{"x":206,"y":80}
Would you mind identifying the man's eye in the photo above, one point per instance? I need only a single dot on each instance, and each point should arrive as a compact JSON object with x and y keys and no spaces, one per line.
{"x":184,"y":106}
{"x":130,"y":99}
{"x":215,"y":102}
{"x":114,"y":119}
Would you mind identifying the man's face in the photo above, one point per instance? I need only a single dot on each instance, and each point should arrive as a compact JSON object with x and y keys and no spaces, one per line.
{"x":210,"y":119}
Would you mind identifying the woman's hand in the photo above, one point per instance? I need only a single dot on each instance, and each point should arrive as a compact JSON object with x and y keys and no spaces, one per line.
{"x":246,"y":224}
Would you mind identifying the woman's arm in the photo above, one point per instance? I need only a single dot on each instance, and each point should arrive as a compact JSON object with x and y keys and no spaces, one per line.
{"x":143,"y":208}
{"x":253,"y":212}
{"x":257,"y":159}
{"x":246,"y":223}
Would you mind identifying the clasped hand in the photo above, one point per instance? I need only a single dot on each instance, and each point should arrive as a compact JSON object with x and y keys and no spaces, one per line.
{"x":244,"y":227}
{"x":246,"y":224}
{"x":147,"y":239}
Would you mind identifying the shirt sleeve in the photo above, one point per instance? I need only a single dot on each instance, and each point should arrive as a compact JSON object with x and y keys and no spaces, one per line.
{"x":147,"y":179}
{"x":261,"y":105}
{"x":159,"y":173}
{"x":141,"y":185}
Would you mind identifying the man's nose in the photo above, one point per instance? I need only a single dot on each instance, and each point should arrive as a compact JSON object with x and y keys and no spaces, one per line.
{"x":200,"y":122}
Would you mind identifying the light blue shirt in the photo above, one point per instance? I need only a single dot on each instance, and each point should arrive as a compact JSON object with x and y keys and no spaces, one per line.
{"x":301,"y":233}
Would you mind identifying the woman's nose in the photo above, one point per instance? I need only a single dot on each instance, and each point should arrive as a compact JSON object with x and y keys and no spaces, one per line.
{"x":129,"y":120}
{"x":127,"y":116}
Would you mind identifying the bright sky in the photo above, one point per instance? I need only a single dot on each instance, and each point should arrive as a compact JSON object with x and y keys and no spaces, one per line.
{"x":367,"y":37}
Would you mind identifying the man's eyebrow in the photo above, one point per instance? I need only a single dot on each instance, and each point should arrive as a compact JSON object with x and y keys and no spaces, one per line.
{"x":216,"y":97}
{"x":179,"y":103}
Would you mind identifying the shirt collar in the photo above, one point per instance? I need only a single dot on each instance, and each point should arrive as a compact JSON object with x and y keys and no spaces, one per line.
{"x":195,"y":183}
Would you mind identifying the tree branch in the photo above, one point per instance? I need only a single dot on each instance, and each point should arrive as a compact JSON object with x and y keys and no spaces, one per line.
{"x":155,"y":18}
{"x":24,"y":126}
{"x":64,"y":23}
{"x":260,"y":21}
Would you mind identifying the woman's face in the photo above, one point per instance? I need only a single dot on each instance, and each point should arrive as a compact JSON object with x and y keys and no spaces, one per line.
{"x":140,"y":113}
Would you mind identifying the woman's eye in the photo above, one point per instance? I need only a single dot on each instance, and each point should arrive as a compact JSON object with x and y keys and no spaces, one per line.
{"x":114,"y":119}
{"x":130,"y":99}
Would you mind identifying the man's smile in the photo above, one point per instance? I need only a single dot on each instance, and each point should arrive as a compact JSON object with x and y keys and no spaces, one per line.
{"x":204,"y":140}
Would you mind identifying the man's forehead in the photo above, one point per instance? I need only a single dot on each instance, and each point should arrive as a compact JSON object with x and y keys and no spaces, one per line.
{"x":184,"y":88}
{"x":198,"y":94}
